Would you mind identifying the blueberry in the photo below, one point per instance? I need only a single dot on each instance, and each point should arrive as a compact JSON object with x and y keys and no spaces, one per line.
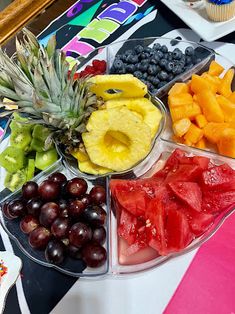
{"x":152,"y":69}
{"x":162,"y":76}
{"x":160,"y":54}
{"x":121,"y":71}
{"x":149,"y":85}
{"x":170,"y":77}
{"x":161,"y":84}
{"x":117,"y":64}
{"x":163,"y":63}
{"x":183,"y":59}
{"x":132,"y":59}
{"x":156,"y":58}
{"x":164,"y":48}
{"x":177,"y":54}
{"x":139,"y":49}
{"x":188,"y":60}
{"x":143,"y":67}
{"x":138,"y":66}
{"x":150,"y":78}
{"x":189,"y":51}
{"x":148,"y":50}
{"x":130,"y":68}
{"x":157,"y":46}
{"x":129,"y":52}
{"x":155,"y":81}
{"x":138,"y":74}
{"x":177,"y":69}
{"x":169,"y":66}
{"x":153,"y":61}
{"x":144,"y":55}
{"x":158,"y":68}
{"x":145,"y":75}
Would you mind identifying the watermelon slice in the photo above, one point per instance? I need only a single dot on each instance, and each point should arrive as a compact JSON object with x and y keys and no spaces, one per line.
{"x":173,"y":161}
{"x":215,"y":202}
{"x":219,"y":178}
{"x":133,"y":201}
{"x":127,"y":228}
{"x":188,"y":192}
{"x":178,"y":233}
{"x":201,"y":161}
{"x":184,"y":173}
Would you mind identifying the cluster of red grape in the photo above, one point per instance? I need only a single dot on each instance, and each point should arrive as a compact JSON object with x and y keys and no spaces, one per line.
{"x":61,"y":218}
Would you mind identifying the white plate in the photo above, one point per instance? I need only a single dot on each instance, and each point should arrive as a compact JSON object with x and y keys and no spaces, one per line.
{"x":197,"y":20}
{"x":13,"y":264}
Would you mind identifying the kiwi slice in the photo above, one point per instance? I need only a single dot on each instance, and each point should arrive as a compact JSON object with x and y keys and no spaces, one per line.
{"x":40,"y":132}
{"x":45,"y":159}
{"x":30,"y":169}
{"x":14,"y":181}
{"x":21,"y":138}
{"x":19,"y":122}
{"x":37,"y":145}
{"x":12,"y":159}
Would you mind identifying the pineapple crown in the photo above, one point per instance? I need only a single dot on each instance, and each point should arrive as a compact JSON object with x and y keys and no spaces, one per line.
{"x":40,"y":82}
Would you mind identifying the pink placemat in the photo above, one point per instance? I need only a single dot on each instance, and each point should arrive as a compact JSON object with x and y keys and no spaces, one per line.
{"x":208,"y":287}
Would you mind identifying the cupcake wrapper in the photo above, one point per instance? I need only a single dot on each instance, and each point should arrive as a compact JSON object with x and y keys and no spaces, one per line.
{"x":219,"y":13}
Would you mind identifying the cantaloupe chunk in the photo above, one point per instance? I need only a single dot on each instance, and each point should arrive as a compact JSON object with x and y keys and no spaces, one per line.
{"x":232,"y":97}
{"x":228,"y":108}
{"x":201,"y":121}
{"x":200,"y":84}
{"x":178,"y":139}
{"x":182,"y":99}
{"x":181,"y":127}
{"x":194,"y":134}
{"x":215,"y":68}
{"x":210,"y":107}
{"x":225,"y":86}
{"x":188,"y":111}
{"x":226,"y":144}
{"x":213,"y":80}
{"x":178,"y":88}
{"x":213,"y":131}
{"x":201,"y":143}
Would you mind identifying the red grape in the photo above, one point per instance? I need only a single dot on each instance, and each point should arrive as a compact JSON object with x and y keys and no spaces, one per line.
{"x":99,"y":235}
{"x":49,"y":212}
{"x":63,"y":204}
{"x":30,"y":190}
{"x":64,"y":213}
{"x":49,"y":190}
{"x":16,"y":208}
{"x":28,"y":223}
{"x":74,"y":251}
{"x":33,"y":206}
{"x":60,"y":227}
{"x":57,"y":177}
{"x":98,"y":195}
{"x":76,"y":207}
{"x":5,"y":210}
{"x":94,"y":255}
{"x":39,"y":238}
{"x":94,"y":215}
{"x":76,"y":187}
{"x":55,"y":252}
{"x":86,"y":199}
{"x":79,"y":234}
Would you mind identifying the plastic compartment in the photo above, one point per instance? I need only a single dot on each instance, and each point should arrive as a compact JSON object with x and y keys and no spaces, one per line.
{"x":147,"y":259}
{"x":72,"y":267}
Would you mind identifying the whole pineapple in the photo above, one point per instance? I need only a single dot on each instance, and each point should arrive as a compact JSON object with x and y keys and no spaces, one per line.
{"x":39,"y":81}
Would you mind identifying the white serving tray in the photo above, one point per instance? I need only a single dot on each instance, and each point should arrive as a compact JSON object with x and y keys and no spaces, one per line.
{"x":197,"y":20}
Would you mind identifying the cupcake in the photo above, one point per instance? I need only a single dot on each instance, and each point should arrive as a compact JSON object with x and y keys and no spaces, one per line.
{"x":220,"y":10}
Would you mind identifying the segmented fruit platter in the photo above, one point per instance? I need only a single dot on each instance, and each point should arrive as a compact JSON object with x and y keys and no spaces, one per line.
{"x":121,"y":160}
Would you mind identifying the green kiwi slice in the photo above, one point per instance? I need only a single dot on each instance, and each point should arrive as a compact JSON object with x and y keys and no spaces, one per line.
{"x":21,"y":138}
{"x":40,"y":132}
{"x":45,"y":159}
{"x":19,"y":122}
{"x":37,"y":145}
{"x":30,"y":169}
{"x":12,"y":159}
{"x":14,"y":181}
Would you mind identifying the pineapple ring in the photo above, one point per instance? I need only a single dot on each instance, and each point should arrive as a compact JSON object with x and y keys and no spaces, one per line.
{"x":117,"y":138}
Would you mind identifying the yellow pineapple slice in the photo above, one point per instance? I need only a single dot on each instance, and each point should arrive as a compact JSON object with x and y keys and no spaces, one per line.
{"x":116,"y":139}
{"x":144,"y":109}
{"x":125,"y":85}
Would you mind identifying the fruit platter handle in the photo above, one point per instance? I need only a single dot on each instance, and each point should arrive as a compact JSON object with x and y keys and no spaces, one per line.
{"x":17,"y":14}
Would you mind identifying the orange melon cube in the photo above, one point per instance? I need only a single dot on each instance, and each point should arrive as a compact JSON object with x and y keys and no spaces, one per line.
{"x":201,"y":121}
{"x":212,"y":131}
{"x":200,"y":84}
{"x":194,"y":134}
{"x":181,"y":127}
{"x":226,"y":144}
{"x":210,"y":107}
{"x":178,"y":139}
{"x":188,"y":111}
{"x":178,"y":88}
{"x":228,"y":108}
{"x":213,"y":80}
{"x":201,"y":143}
{"x":175,"y":100}
{"x":232,"y":97}
{"x":215,"y":68}
{"x":225,"y":86}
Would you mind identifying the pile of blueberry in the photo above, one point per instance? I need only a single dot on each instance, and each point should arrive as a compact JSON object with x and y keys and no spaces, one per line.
{"x":155,"y":66}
